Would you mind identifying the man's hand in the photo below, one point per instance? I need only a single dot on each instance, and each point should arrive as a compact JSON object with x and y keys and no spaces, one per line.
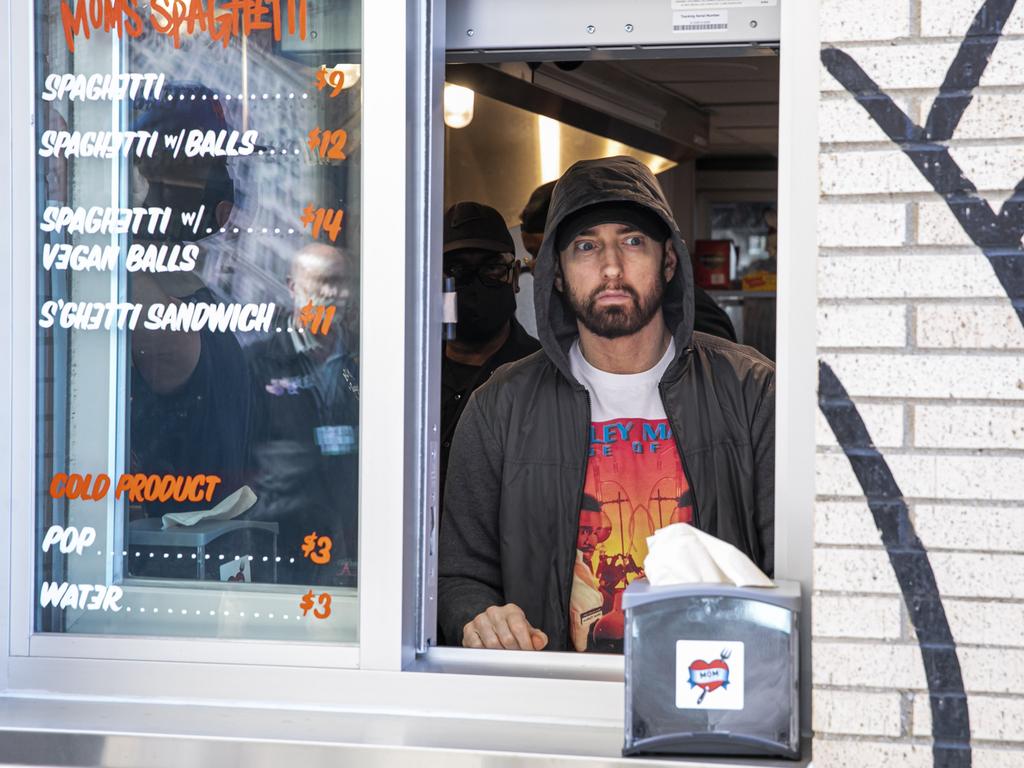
{"x":503,"y":627}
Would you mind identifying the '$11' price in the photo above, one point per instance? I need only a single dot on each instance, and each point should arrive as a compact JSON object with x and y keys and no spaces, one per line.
{"x":327,"y":219}
{"x":323,"y":599}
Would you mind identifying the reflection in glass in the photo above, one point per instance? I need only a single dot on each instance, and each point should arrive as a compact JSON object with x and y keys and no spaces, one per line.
{"x":219,"y":391}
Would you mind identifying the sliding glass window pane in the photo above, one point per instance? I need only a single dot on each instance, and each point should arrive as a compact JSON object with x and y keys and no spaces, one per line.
{"x":198,"y":176}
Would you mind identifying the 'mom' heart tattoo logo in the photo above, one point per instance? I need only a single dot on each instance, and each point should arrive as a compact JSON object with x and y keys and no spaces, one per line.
{"x":709,"y":676}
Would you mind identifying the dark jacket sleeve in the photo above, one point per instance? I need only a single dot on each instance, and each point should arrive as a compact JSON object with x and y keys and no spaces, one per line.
{"x":469,"y":561}
{"x":762,"y":434}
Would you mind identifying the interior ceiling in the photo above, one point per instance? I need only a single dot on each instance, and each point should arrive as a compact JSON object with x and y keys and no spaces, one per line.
{"x":740,"y":94}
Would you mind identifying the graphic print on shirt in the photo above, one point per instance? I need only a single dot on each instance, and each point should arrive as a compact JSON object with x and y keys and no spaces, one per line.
{"x":635,"y":484}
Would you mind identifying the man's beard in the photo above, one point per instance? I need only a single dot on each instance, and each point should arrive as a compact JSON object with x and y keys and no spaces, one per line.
{"x":617,"y":320}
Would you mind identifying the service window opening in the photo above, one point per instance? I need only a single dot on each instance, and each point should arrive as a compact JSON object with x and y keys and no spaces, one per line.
{"x":707,"y":128}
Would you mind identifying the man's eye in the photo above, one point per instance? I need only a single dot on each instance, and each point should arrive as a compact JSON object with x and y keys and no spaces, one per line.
{"x":635,"y":240}
{"x":585,"y":245}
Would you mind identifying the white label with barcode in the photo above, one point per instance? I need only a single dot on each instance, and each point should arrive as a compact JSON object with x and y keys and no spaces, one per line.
{"x":700,"y":21}
{"x":718,"y":5}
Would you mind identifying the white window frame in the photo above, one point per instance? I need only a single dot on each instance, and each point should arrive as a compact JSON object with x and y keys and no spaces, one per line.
{"x":496,"y":685}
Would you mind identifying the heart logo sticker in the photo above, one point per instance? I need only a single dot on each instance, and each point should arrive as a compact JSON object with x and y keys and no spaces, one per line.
{"x":709,"y":675}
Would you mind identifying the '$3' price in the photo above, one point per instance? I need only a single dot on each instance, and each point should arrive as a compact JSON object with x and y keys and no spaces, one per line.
{"x":317,"y":549}
{"x":329,"y":144}
{"x":324,"y":601}
{"x":326,"y":219}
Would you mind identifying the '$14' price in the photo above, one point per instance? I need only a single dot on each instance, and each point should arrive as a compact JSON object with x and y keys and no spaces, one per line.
{"x":327,"y":219}
{"x":329,"y":144}
{"x":324,"y":601}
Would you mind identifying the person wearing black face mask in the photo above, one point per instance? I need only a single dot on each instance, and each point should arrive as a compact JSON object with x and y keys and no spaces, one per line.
{"x":478,"y":257}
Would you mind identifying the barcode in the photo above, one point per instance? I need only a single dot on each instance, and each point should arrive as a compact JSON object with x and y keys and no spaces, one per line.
{"x":697,"y":27}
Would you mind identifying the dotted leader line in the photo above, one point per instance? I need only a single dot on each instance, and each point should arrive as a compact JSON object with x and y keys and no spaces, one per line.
{"x":180,"y":556}
{"x":225,"y":614}
{"x":240,"y":97}
{"x":252,"y":230}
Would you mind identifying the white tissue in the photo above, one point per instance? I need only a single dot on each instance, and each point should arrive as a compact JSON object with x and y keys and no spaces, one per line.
{"x":229,"y":508}
{"x":682,"y":554}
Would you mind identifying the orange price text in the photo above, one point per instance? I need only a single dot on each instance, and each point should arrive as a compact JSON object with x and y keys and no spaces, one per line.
{"x":330,"y":78}
{"x":316,"y":319}
{"x":317,"y":548}
{"x":323,"y":219}
{"x":323,"y":601}
{"x":329,"y":144}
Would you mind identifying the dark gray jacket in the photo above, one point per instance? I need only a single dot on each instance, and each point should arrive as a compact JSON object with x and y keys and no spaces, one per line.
{"x":519,"y":457}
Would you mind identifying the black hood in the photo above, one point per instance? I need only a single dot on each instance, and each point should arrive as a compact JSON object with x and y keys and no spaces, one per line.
{"x":615,"y":179}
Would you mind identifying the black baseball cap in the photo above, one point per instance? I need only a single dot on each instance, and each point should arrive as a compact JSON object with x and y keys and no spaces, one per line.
{"x":633,"y":214}
{"x":535,"y":214}
{"x":475,"y":225}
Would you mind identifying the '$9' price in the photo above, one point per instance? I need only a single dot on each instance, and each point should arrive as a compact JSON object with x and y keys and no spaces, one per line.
{"x":330,"y":78}
{"x":324,"y":601}
{"x":327,"y":219}
{"x":329,"y":144}
{"x":317,"y":549}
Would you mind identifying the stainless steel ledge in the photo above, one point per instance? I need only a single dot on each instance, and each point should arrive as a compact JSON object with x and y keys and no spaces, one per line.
{"x":88,"y":734}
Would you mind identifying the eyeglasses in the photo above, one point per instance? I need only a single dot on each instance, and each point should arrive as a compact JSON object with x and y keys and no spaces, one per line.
{"x":492,"y":273}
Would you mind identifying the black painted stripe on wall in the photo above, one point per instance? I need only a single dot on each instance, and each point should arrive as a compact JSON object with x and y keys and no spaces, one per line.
{"x":951,"y":728}
{"x":998,"y":235}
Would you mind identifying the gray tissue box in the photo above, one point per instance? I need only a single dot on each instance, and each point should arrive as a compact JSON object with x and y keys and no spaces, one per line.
{"x":712,"y":669}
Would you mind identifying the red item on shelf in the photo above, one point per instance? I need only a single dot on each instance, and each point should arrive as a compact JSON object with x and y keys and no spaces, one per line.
{"x":714,"y":264}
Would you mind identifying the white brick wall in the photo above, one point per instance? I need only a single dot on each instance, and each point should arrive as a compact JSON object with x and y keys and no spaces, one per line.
{"x":862,"y":325}
{"x":844,"y":523}
{"x":915,"y":324}
{"x":842,"y":616}
{"x":864,"y":714}
{"x":831,"y":753}
{"x":842,"y":120}
{"x":892,"y":275}
{"x":969,"y":326}
{"x":883,"y":667}
{"x":952,"y":526}
{"x":877,"y":20}
{"x":875,"y":223}
{"x":981,"y":623}
{"x":923,"y":65}
{"x":936,"y":225}
{"x":856,"y":571}
{"x":969,"y":426}
{"x":969,"y":376}
{"x":993,"y":718}
{"x":941,"y":18}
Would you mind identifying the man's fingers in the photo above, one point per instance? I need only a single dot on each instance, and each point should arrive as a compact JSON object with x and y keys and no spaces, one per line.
{"x":486,"y":632}
{"x":521,"y":630}
{"x":471,"y":638}
{"x":508,"y":640}
{"x":503,"y":627}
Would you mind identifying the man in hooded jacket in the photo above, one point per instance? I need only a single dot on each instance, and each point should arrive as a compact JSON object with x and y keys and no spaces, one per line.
{"x":624,"y":403}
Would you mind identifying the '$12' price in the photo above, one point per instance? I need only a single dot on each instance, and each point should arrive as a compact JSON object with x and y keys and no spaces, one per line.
{"x":324,"y":601}
{"x":326,"y":219}
{"x":329,"y":144}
